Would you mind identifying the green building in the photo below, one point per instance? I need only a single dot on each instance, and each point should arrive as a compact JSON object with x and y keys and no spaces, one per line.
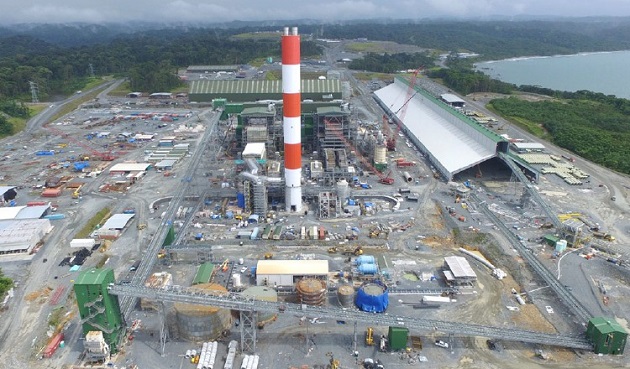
{"x":608,"y":336}
{"x":99,"y":310}
{"x":204,"y":273}
{"x":397,"y":338}
{"x":250,"y":90}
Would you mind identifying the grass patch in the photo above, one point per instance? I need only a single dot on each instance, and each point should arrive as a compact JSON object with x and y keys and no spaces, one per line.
{"x":54,"y":319}
{"x":368,"y":76}
{"x":121,"y":90}
{"x":96,"y":220}
{"x":257,"y":36}
{"x":273,"y":75}
{"x":365,"y":47}
{"x":102,"y":261}
{"x":529,"y":126}
{"x":74,"y":105}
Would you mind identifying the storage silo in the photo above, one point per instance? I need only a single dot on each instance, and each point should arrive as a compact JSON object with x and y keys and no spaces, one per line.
{"x":372,"y":297}
{"x":311,"y":291}
{"x":345,"y":295}
{"x":380,"y":157}
{"x":262,"y":293}
{"x":202,"y":323}
{"x":365,"y":259}
{"x":342,"y":190}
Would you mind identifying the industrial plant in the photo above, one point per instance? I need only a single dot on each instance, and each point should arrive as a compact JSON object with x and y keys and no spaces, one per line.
{"x":305,"y":223}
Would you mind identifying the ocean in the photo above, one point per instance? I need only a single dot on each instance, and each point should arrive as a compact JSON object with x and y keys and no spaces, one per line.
{"x":605,"y":72}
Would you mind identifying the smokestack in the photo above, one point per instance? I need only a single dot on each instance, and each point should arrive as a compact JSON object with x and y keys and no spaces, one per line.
{"x":292,"y":98}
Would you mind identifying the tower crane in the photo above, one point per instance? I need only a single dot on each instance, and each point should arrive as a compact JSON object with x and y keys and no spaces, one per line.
{"x":382,"y":178}
{"x":105,"y":156}
{"x":411,"y":92}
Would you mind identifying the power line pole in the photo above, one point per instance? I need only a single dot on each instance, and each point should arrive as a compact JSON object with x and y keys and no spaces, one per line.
{"x":91,"y":69}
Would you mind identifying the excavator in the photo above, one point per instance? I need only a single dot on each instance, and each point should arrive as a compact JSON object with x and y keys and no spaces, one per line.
{"x":334,"y":363}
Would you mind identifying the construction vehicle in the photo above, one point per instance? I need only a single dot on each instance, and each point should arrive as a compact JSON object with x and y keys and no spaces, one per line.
{"x":334,"y":363}
{"x":604,"y":236}
{"x":268,"y":256}
{"x":411,"y":92}
{"x":77,"y":193}
{"x":332,"y":250}
{"x":369,"y":336}
{"x":141,"y":226}
{"x":356,"y":251}
{"x":224,"y":266}
{"x":161,"y":254}
{"x":387,"y":179}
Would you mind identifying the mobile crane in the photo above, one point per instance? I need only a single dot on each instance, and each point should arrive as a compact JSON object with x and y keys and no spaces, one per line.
{"x":411,"y":92}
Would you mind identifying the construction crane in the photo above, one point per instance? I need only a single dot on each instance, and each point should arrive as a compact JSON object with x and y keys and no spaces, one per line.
{"x":411,"y":92}
{"x":382,"y":178}
{"x":94,"y":154}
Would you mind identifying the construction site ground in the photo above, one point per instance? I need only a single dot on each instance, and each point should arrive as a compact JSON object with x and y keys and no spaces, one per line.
{"x":422,"y":233}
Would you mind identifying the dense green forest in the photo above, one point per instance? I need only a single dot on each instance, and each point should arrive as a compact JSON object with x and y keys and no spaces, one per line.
{"x":392,"y":63}
{"x":496,"y":39}
{"x":149,"y":59}
{"x":596,"y":130}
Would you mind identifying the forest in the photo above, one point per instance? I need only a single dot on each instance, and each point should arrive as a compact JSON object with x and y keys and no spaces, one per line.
{"x":392,"y":63}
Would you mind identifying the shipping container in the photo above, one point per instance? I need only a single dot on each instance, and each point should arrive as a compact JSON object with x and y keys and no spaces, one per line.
{"x":277,"y":232}
{"x":255,"y":232}
{"x":322,"y":233}
{"x":397,"y":338}
{"x":37,"y":203}
{"x":55,"y":216}
{"x":52,"y":346}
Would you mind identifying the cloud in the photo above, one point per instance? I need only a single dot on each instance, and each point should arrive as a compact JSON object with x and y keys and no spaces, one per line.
{"x":60,"y":11}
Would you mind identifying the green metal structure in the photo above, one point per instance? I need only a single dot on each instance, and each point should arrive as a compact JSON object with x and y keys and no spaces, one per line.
{"x":99,"y":310}
{"x":204,"y":273}
{"x":608,"y":336}
{"x":243,"y":90}
{"x":397,"y":338}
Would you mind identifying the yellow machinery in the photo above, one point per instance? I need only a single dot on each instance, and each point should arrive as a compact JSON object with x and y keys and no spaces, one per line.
{"x":224,"y":266}
{"x":567,"y":216}
{"x":268,"y":256}
{"x":369,"y":336}
{"x":334,"y":363}
{"x":77,"y":193}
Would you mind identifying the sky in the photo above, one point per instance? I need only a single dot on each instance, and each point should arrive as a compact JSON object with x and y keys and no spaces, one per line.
{"x":218,"y":11}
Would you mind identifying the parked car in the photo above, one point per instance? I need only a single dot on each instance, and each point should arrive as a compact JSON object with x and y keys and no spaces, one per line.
{"x":441,"y":343}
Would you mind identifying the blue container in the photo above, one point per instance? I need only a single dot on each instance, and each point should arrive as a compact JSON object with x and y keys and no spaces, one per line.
{"x":365,"y":259}
{"x":54,"y":216}
{"x":369,"y":269}
{"x":198,"y":236}
{"x":253,"y":270}
{"x":240,"y":200}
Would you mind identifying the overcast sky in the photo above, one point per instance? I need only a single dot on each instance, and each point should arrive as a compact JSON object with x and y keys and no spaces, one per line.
{"x":212,"y":11}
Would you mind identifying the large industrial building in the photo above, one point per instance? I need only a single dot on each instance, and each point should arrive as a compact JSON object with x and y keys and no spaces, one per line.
{"x":21,"y":236}
{"x":288,"y":272}
{"x":452,"y":141}
{"x":246,"y":90}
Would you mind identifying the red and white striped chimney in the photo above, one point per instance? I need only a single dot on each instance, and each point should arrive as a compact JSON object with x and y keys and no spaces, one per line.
{"x":292,"y":112}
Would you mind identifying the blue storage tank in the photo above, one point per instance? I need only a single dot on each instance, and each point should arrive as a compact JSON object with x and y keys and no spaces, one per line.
{"x":372,"y":297}
{"x":240,"y":200}
{"x":368,"y":269}
{"x":365,"y":259}
{"x":254,"y":233}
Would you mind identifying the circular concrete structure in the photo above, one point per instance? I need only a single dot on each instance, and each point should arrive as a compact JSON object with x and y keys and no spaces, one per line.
{"x":345,"y":295}
{"x":262,"y":293}
{"x":199,"y":323}
{"x":311,"y":291}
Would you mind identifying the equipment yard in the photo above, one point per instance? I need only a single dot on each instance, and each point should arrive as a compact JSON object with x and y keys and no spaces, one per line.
{"x":341,"y":244}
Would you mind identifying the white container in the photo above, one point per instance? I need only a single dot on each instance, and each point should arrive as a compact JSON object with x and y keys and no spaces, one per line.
{"x":236,"y":280}
{"x":187,"y":355}
{"x":241,"y":261}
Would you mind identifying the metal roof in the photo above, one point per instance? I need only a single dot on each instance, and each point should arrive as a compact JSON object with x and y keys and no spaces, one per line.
{"x":22,"y":234}
{"x":258,"y":110}
{"x":33,"y":212}
{"x":262,"y":86}
{"x":129,"y":167}
{"x":450,"y":98}
{"x":10,"y":212}
{"x":92,"y":276}
{"x":292,"y":267}
{"x":454,"y":149}
{"x":529,"y":145}
{"x":459,"y":267}
{"x":117,"y":221}
{"x":216,"y":68}
{"x":166,"y":163}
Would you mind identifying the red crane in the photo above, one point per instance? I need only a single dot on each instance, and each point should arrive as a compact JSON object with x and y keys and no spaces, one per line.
{"x":382,"y":178}
{"x":105,"y":156}
{"x":411,"y":92}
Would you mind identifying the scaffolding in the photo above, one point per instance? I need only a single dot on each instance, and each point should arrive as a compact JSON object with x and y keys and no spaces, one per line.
{"x":328,"y":205}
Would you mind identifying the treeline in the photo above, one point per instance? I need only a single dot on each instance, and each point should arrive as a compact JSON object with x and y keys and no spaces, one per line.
{"x":496,"y":39}
{"x":392,"y":63}
{"x":466,"y":81}
{"x":62,"y":70}
{"x":598,"y":130}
